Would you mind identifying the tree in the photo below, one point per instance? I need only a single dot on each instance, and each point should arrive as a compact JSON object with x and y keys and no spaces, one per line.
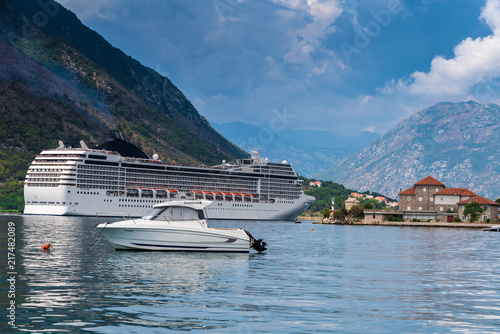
{"x":339,"y":202}
{"x":326,"y":213}
{"x":357,"y":211}
{"x":368,"y":205}
{"x":473,"y":210}
{"x":498,"y":200}
{"x":340,"y":214}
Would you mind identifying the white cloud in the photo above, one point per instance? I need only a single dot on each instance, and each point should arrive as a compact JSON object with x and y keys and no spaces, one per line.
{"x":370,"y":128}
{"x":475,"y":61}
{"x":307,"y":40}
{"x":364,"y":99}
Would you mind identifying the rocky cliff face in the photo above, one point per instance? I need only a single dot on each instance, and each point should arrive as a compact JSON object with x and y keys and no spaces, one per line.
{"x":456,"y":143}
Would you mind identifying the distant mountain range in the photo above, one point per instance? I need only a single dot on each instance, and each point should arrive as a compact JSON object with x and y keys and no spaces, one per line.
{"x":309,"y":151}
{"x":456,"y":143}
{"x":60,"y":80}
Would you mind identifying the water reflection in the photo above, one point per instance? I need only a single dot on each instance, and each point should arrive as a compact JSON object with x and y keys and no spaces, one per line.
{"x":349,"y":279}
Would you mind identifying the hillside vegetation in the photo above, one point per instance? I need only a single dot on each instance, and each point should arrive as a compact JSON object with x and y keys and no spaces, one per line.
{"x":329,"y":190}
{"x":59,"y":80}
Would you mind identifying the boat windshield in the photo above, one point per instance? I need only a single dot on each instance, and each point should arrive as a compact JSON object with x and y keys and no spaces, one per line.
{"x":174,"y":213}
{"x":153,"y":213}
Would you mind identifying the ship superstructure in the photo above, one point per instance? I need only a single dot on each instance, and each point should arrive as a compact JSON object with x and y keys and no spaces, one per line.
{"x":118,"y":179}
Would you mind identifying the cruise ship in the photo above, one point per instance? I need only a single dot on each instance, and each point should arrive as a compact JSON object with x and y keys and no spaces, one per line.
{"x":117,"y":179}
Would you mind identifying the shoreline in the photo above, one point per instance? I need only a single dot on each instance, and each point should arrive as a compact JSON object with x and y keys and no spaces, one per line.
{"x":413,"y":224}
{"x":308,"y":218}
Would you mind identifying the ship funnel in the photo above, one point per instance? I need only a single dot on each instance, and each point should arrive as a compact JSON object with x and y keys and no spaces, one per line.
{"x":83,"y":145}
{"x":61,"y":144}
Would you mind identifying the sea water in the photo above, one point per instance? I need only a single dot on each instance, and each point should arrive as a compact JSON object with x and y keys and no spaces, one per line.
{"x":312,"y":278}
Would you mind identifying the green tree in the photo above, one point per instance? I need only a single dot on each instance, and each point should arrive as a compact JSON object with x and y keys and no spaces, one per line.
{"x":357,"y":211}
{"x":376,"y":204}
{"x":339,"y":202}
{"x":473,"y":210}
{"x":339,"y":214}
{"x":498,"y":200}
{"x":368,"y":206}
{"x":326,"y":213}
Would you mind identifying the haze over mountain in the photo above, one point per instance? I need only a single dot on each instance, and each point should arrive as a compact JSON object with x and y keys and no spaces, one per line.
{"x":456,"y":143}
{"x":309,"y":151}
{"x":59,"y":80}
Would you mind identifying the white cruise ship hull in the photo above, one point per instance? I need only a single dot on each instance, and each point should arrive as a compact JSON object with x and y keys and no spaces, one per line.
{"x":64,"y":201}
{"x":88,"y":182}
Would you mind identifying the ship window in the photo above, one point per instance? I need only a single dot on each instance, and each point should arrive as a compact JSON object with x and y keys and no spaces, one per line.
{"x":94,"y":156}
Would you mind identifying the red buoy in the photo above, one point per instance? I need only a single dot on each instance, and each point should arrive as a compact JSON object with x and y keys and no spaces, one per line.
{"x":46,"y":247}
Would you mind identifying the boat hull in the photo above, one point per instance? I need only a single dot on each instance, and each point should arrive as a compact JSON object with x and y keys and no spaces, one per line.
{"x":176,"y":239}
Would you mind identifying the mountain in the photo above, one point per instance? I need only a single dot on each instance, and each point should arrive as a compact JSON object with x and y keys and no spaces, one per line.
{"x":456,"y":143}
{"x":309,"y":151}
{"x":60,"y":80}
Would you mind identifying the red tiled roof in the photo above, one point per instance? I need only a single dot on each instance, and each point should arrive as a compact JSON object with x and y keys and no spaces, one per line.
{"x":410,"y":191}
{"x":456,"y":191}
{"x":480,"y":200}
{"x":429,"y":181}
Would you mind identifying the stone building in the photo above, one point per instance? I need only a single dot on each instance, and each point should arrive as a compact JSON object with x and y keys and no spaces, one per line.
{"x":490,"y":207}
{"x":420,"y":197}
{"x":430,"y":200}
{"x":446,"y":200}
{"x":350,"y":202}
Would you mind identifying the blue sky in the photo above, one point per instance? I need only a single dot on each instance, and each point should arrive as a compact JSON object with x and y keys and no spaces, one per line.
{"x":342,"y":66}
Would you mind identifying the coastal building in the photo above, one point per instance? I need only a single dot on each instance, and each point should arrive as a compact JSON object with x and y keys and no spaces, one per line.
{"x":490,"y":208}
{"x":446,"y":200}
{"x":316,"y":184}
{"x":420,"y":197}
{"x":350,"y":202}
{"x":430,"y":200}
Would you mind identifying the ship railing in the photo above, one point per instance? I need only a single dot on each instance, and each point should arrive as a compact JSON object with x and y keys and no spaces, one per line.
{"x":151,"y":161}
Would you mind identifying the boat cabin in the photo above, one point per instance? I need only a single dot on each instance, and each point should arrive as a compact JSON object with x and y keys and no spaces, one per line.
{"x":174,"y":213}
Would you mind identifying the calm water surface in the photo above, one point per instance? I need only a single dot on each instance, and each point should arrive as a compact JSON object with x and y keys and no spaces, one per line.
{"x":332,"y":279}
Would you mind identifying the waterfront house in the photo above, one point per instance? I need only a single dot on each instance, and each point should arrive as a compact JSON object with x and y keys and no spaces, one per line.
{"x":490,"y":208}
{"x":430,"y":200}
{"x":417,"y":202}
{"x":446,"y":200}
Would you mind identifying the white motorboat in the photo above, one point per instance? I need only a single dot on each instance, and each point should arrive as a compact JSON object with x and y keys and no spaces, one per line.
{"x":178,"y":226}
{"x":494,"y":228}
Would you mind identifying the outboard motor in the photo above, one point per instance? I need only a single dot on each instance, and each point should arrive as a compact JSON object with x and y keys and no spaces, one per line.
{"x":256,"y":244}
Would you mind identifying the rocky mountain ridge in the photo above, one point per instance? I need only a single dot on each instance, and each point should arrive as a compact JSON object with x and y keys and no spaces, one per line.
{"x":456,"y":143}
{"x":309,"y":151}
